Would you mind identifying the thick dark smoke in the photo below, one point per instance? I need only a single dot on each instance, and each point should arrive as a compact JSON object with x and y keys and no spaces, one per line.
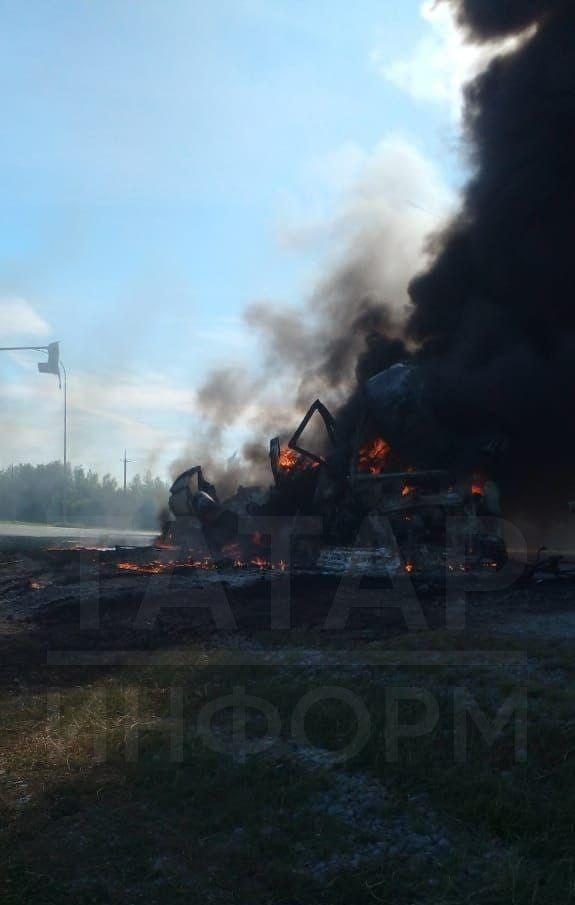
{"x":489,"y":19}
{"x":495,"y":314}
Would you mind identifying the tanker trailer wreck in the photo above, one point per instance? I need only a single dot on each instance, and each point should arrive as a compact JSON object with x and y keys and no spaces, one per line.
{"x":400,"y":466}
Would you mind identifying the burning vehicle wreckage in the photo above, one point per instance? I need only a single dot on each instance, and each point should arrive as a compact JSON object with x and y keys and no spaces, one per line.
{"x":383,"y":485}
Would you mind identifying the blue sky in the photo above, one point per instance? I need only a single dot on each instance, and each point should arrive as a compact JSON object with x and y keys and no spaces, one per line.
{"x":161,"y":161}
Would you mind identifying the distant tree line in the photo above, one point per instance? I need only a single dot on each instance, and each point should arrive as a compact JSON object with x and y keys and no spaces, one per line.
{"x":47,"y":493}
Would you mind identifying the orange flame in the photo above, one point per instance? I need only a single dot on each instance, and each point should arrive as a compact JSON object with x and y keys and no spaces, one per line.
{"x":409,"y":568}
{"x":408,"y":490}
{"x":374,"y":457}
{"x":161,"y":544}
{"x":289,"y":460}
{"x":162,"y":568}
{"x":478,"y":485}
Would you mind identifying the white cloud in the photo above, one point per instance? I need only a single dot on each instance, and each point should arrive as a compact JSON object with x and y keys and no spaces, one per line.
{"x":442,"y":62}
{"x":125,"y":393}
{"x":225,"y":330}
{"x":146,"y":414}
{"x":389,"y":199}
{"x":128,"y":393}
{"x":19,"y":319}
{"x":339,"y":169}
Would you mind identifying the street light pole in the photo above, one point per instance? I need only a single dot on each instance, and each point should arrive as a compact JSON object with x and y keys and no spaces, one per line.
{"x":65,"y":417}
{"x":26,"y":348}
{"x":56,"y":367}
{"x":62,"y":369}
{"x":52,"y":366}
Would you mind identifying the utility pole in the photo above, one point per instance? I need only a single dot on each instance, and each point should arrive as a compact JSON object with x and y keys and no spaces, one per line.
{"x":13,"y":493}
{"x":126,"y":461}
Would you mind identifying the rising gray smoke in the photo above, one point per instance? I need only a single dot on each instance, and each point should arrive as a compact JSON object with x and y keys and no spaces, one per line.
{"x":222,"y":400}
{"x":378,"y":238}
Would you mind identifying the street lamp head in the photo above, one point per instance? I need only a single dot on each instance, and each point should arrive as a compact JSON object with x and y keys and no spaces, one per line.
{"x":52,"y":366}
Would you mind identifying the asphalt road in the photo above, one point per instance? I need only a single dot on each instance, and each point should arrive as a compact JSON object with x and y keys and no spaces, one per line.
{"x":22,"y":535}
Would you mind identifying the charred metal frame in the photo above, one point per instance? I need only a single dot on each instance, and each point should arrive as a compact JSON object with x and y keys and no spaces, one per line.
{"x":275,"y":452}
{"x":329,"y":422}
{"x":186,"y":477}
{"x":275,"y":444}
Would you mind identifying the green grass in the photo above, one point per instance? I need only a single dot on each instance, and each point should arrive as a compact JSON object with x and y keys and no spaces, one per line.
{"x":214,"y":829}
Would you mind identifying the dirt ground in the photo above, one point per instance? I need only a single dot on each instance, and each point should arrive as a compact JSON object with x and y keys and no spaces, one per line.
{"x":165,"y":743}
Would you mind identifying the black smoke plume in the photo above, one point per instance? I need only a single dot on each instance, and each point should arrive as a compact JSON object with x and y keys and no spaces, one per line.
{"x":494,"y":316}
